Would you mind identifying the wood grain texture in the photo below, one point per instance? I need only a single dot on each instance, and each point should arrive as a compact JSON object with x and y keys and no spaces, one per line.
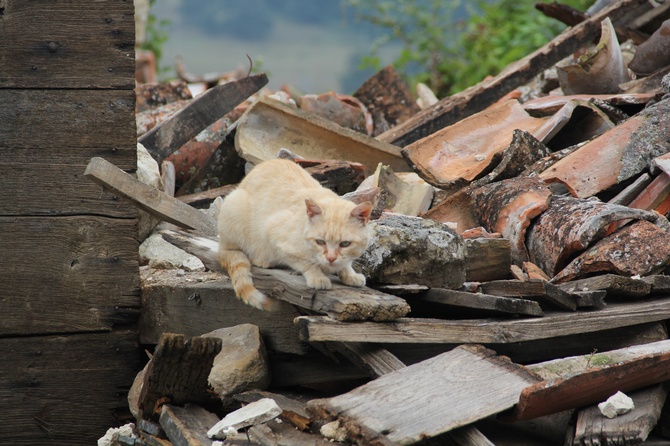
{"x":66,"y":389}
{"x":51,"y":182}
{"x":492,"y":331}
{"x":67,"y":274}
{"x":172,"y":304}
{"x":66,"y":44}
{"x":56,"y":119}
{"x":428,"y":398}
{"x":148,"y":198}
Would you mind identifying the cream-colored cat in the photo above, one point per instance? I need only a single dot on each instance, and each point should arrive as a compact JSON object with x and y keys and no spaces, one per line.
{"x":280,"y":216}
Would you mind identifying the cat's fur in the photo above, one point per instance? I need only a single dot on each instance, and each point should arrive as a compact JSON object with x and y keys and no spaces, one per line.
{"x":280,"y":216}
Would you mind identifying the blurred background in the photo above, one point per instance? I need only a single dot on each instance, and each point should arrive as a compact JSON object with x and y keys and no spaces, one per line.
{"x":335,"y":45}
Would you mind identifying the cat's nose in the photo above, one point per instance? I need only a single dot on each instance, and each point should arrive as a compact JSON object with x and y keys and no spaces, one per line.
{"x":331,"y":259}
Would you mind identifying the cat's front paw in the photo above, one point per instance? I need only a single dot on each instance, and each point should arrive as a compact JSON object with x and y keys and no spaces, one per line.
{"x":319,"y":282}
{"x":352,"y":279}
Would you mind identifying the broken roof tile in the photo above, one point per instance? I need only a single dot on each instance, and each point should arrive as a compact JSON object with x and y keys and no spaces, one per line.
{"x":616,"y":155}
{"x":460,"y":153}
{"x":570,"y":225}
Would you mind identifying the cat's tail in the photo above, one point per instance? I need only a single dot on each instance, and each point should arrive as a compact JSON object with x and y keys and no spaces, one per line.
{"x":239,"y":269}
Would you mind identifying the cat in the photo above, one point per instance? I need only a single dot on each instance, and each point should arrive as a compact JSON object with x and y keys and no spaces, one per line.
{"x":279,"y":215}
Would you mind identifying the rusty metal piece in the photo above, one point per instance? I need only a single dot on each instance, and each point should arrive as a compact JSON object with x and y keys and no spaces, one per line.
{"x":638,"y":249}
{"x":571,"y":225}
{"x":456,"y":155}
{"x":508,"y":207}
{"x":620,"y":154}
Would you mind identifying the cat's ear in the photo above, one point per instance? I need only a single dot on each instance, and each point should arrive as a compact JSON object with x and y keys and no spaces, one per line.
{"x":313,"y":209}
{"x":362,"y":212}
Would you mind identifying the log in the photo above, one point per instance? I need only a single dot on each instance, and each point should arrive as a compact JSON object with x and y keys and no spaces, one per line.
{"x":203,"y":111}
{"x":413,"y":330}
{"x":435,"y":396}
{"x":147,"y":198}
{"x":474,"y":99}
{"x":534,"y":289}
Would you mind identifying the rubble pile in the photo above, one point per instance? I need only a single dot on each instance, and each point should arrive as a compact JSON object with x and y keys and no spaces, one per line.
{"x":516,"y":270}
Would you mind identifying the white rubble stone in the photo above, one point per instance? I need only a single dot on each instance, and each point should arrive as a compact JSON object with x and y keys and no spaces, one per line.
{"x":333,"y":431}
{"x":617,"y":404}
{"x":252,"y":414}
{"x":160,"y":254}
{"x":111,"y":437}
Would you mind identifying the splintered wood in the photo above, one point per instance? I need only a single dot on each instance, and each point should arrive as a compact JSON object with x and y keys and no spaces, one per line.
{"x":437,"y":395}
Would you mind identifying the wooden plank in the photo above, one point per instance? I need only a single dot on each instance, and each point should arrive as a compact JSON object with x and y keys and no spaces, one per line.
{"x":375,"y":360}
{"x":341,"y":302}
{"x":67,"y":45}
{"x":605,"y":373}
{"x":539,"y":290}
{"x":492,"y":331}
{"x":205,"y":302}
{"x":70,"y":274}
{"x":23,"y":181}
{"x":631,"y":428}
{"x":199,"y":114}
{"x":80,"y":114}
{"x":187,"y":426}
{"x":487,"y":259}
{"x":616,"y":286}
{"x":480,"y":304}
{"x":428,"y":398}
{"x":178,"y":373}
{"x":293,"y":411}
{"x":148,"y":198}
{"x":65,"y":389}
{"x":474,"y":99}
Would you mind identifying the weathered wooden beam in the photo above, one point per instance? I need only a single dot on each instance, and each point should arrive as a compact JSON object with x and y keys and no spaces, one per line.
{"x":341,"y":302}
{"x":603,"y":375}
{"x":614,"y":285}
{"x":187,"y":426}
{"x":538,"y":290}
{"x":631,"y":428}
{"x":429,"y":398}
{"x":480,"y":303}
{"x":148,"y":198}
{"x":203,"y":111}
{"x":474,"y":99}
{"x":490,"y":331}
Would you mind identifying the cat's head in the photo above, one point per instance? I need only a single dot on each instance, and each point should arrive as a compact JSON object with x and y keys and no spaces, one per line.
{"x":337,"y":231}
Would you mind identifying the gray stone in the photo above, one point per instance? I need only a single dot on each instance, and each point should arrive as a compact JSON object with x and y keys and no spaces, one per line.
{"x":163,"y":255}
{"x":413,"y":250}
{"x":242,"y":363}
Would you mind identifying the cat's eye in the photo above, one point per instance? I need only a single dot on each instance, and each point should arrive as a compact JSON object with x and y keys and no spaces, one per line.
{"x":344,"y":244}
{"x":320,"y":242}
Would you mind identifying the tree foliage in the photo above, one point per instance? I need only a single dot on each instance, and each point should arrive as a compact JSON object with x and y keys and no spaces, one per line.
{"x":450,"y":44}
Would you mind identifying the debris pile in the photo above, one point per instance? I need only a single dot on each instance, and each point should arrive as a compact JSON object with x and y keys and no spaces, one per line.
{"x":515,"y":275}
